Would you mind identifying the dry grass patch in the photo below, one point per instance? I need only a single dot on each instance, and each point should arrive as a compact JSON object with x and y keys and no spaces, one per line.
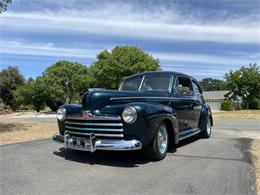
{"x":15,"y":132}
{"x":255,"y":149}
{"x":238,"y":114}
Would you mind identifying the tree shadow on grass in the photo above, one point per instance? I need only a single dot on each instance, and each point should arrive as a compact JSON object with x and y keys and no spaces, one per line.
{"x":7,"y":127}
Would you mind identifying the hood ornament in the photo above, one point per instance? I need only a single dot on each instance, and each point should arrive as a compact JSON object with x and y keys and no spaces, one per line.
{"x":87,"y":114}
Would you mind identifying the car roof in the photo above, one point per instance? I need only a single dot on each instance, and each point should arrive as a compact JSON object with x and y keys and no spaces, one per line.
{"x":154,"y":73}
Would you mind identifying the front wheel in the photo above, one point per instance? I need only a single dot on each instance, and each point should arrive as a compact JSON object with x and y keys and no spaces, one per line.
{"x":206,"y":129}
{"x":158,"y":148}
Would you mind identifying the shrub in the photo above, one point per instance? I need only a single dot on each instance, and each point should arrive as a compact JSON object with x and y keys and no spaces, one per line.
{"x":5,"y":109}
{"x":26,"y":107}
{"x":254,"y":103}
{"x":244,"y":105}
{"x":227,"y":105}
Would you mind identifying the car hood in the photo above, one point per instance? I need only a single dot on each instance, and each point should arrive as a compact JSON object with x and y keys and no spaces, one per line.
{"x":96,"y":99}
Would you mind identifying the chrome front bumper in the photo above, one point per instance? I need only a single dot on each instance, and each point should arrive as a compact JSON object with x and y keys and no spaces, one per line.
{"x":92,"y":144}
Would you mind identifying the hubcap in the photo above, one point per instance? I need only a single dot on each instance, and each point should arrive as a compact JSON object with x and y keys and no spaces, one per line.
{"x":162,"y":139}
{"x":208,"y":127}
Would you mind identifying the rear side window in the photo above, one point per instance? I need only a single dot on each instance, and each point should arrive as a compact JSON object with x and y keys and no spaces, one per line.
{"x":183,"y":86}
{"x":196,"y":88}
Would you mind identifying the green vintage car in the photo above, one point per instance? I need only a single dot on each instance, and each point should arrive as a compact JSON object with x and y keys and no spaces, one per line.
{"x":150,"y":111}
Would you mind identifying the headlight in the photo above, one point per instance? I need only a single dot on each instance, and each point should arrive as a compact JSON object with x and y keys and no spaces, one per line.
{"x":129,"y":114}
{"x":61,"y":114}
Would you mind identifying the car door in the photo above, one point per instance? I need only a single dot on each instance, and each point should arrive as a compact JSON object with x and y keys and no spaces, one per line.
{"x":183,"y":102}
{"x":197,"y":104}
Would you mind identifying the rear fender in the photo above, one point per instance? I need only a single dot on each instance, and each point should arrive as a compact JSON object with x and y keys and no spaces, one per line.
{"x":205,"y":113}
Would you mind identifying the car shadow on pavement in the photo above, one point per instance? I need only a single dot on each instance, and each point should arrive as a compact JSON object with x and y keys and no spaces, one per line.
{"x":114,"y":158}
{"x":108,"y":158}
{"x":190,"y":140}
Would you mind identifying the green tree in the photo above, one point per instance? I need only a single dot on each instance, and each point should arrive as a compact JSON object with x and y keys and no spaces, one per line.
{"x":210,"y":84}
{"x":10,"y":79}
{"x":122,"y":61}
{"x":65,"y":82}
{"x":244,"y":83}
{"x":3,"y":5}
{"x":32,"y":93}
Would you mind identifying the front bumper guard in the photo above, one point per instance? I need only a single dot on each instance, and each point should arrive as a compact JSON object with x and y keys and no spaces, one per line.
{"x":92,"y":143}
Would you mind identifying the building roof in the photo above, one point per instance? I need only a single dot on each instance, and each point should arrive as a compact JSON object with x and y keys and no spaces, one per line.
{"x":214,"y":95}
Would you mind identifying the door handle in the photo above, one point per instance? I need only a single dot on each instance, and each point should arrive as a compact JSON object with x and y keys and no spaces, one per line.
{"x":188,"y":106}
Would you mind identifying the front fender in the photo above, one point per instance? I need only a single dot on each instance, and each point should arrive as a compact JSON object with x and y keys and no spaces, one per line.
{"x":71,"y":109}
{"x":150,"y":116}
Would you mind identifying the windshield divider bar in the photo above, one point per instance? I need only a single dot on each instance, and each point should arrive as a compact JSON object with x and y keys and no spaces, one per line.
{"x":141,"y":83}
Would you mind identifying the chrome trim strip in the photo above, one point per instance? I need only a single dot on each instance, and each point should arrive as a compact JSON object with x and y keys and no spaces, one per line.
{"x":188,"y":133}
{"x":119,"y":145}
{"x":95,"y":118}
{"x":58,"y":138}
{"x":145,"y":97}
{"x":95,"y":124}
{"x":97,"y":134}
{"x":92,"y":144}
{"x":94,"y":129}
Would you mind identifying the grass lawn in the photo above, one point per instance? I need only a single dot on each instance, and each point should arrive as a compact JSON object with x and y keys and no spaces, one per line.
{"x":15,"y":132}
{"x":255,"y":150}
{"x":238,"y":114}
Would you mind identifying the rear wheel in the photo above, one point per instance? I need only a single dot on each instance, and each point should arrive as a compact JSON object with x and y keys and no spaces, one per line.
{"x":158,"y":148}
{"x":206,"y":129}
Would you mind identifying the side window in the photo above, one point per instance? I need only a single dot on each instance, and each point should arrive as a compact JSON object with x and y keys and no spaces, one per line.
{"x":183,"y":86}
{"x":196,"y":88}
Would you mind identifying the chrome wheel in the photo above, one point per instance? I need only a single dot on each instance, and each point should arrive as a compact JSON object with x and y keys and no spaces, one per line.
{"x":162,"y":139}
{"x":208,"y":126}
{"x":157,"y":149}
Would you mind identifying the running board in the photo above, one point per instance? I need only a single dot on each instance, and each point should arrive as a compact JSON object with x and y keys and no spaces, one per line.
{"x":188,"y":133}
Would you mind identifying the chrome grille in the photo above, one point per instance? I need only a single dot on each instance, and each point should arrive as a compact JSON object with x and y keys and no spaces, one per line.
{"x":100,"y":128}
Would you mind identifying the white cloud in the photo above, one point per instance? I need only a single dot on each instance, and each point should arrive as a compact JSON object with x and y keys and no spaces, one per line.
{"x":46,"y":49}
{"x":190,"y":63}
{"x":207,"y":59}
{"x":122,"y":20}
{"x":90,"y":51}
{"x":128,"y":20}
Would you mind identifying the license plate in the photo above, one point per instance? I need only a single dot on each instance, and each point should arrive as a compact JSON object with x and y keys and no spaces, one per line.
{"x":80,"y":143}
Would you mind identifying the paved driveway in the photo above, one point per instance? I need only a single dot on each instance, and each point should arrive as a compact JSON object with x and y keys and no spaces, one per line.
{"x":219,"y":165}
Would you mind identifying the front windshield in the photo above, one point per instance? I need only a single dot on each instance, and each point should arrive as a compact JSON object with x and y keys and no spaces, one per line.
{"x":131,"y":84}
{"x":147,"y":83}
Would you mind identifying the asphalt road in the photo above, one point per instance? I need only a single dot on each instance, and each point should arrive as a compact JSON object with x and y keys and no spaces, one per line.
{"x":219,"y":165}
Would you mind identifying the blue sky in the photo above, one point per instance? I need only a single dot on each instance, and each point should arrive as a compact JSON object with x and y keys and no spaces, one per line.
{"x":203,"y":38}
